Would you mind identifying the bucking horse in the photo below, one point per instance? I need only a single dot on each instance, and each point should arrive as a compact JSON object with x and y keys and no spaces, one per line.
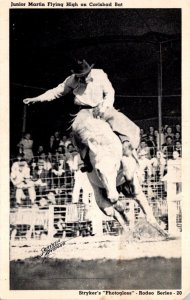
{"x":94,"y":137}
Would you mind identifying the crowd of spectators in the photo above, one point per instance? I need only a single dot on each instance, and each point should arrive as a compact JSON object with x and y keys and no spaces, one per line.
{"x":53,"y":168}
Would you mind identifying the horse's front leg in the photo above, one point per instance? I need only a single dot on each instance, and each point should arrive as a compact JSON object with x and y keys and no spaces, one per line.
{"x":115,"y":211}
{"x":143,"y":202}
{"x":117,"y":205}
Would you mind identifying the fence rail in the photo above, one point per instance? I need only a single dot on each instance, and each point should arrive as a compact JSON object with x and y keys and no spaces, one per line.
{"x":44,"y":205}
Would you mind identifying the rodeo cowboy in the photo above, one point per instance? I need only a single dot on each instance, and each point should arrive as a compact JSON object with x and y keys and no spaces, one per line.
{"x":93,"y":90}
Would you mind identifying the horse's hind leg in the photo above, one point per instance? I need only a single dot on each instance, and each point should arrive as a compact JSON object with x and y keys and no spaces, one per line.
{"x":143,"y":203}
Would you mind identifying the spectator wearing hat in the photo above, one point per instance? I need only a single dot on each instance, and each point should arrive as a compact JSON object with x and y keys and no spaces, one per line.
{"x":92,"y":89}
{"x":21,"y":179}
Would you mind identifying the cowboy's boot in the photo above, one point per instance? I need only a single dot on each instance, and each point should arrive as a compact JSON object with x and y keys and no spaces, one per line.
{"x":87,"y":164}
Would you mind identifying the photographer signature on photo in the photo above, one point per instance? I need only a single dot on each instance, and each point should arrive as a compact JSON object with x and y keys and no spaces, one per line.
{"x":51,"y":248}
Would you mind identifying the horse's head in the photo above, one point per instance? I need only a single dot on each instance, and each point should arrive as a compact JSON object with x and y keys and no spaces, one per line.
{"x":106,"y":163}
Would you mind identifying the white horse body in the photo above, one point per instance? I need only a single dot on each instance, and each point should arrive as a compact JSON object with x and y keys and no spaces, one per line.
{"x":105,"y":152}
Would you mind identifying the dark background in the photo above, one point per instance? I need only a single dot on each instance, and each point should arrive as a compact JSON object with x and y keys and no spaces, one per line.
{"x":123,"y":42}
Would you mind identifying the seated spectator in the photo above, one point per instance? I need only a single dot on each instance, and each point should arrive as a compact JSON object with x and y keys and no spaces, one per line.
{"x":50,"y":157}
{"x":164,"y":128}
{"x":158,"y":165}
{"x":51,"y":147}
{"x":168,"y":132}
{"x":151,"y":130}
{"x":168,"y":147}
{"x":69,"y":140}
{"x":47,"y":163}
{"x":143,"y":147}
{"x":56,"y":140}
{"x":178,"y":128}
{"x":176,"y":156}
{"x":156,"y":133}
{"x":25,"y":145}
{"x":15,"y":166}
{"x":33,"y":168}
{"x":70,"y":157}
{"x":71,"y":148}
{"x":144,"y":169}
{"x":48,"y":199}
{"x":59,"y":153}
{"x":143,"y":134}
{"x":152,"y":145}
{"x":63,"y":141}
{"x":178,"y":148}
{"x":41,"y":177}
{"x":58,"y":172}
{"x":40,"y":150}
{"x":159,"y":137}
{"x":21,"y":179}
{"x":177,"y":137}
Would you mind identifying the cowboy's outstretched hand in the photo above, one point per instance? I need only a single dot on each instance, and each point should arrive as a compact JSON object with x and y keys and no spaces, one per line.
{"x":29,"y":100}
{"x":100,"y":110}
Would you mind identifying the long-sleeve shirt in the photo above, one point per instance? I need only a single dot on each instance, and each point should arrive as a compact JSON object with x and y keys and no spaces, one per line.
{"x":95,"y":89}
{"x":20,"y":175}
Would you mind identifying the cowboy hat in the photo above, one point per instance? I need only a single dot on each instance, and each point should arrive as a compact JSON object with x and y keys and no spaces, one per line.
{"x":81,"y":68}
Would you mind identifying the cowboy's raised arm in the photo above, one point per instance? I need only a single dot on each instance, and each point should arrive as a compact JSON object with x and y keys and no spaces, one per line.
{"x":55,"y":93}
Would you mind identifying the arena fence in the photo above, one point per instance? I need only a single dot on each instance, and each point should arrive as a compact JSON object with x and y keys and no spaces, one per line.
{"x":54,"y":213}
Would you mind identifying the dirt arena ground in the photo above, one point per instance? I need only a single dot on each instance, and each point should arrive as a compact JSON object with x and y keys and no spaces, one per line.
{"x":106,"y":262}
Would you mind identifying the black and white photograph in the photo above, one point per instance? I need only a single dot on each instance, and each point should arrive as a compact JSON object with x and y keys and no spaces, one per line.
{"x":95,"y":149}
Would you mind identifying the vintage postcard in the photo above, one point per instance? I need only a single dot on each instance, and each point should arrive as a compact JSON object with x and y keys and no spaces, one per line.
{"x":95,"y":149}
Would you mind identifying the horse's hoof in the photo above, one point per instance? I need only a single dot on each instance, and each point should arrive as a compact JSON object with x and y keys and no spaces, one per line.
{"x":172,"y":237}
{"x":119,"y":206}
{"x":159,"y":229}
